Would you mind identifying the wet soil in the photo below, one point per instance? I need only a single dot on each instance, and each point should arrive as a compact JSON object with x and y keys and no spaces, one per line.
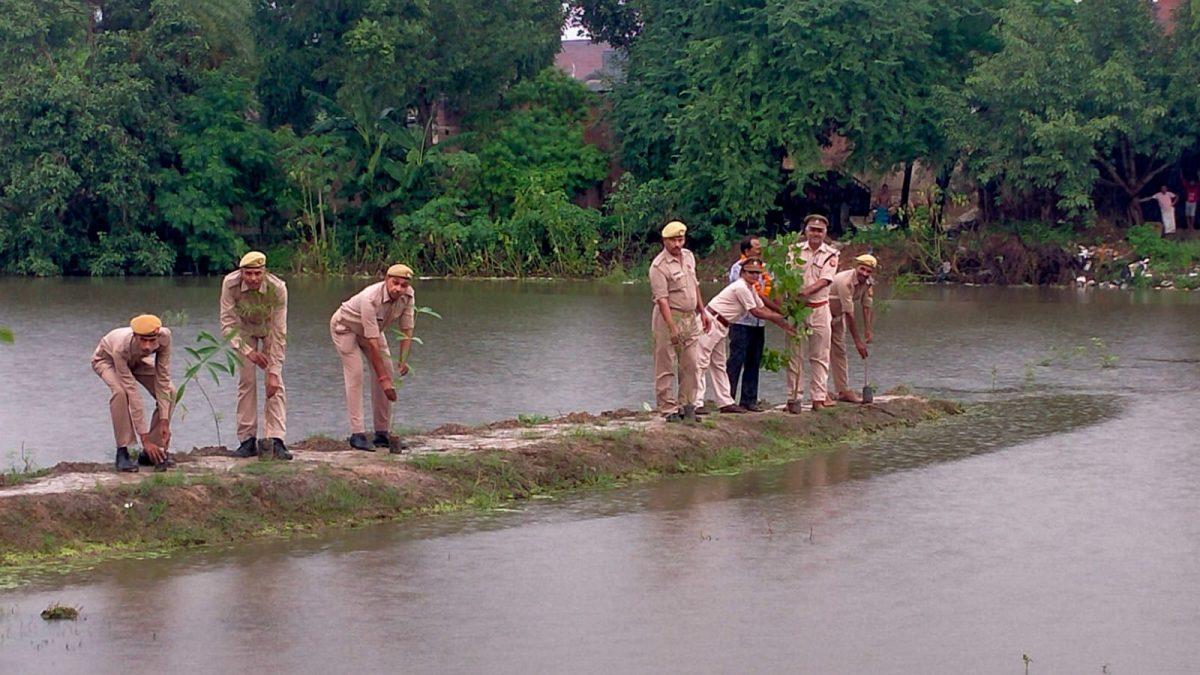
{"x":210,"y":498}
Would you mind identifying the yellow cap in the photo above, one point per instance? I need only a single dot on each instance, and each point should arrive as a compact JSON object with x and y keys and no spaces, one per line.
{"x":253,"y":259}
{"x":816,"y":216}
{"x":403,"y":271}
{"x":674,"y":229}
{"x":146,"y":325}
{"x":868,"y":260}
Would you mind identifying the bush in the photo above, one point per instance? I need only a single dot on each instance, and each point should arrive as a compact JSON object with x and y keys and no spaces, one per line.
{"x":1164,"y":254}
{"x":131,"y":253}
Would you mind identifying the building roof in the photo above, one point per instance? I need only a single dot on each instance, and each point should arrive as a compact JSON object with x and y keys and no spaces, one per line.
{"x":596,"y":64}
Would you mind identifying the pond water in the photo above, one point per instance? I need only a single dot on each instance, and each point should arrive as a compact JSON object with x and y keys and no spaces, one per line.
{"x":1059,"y":518}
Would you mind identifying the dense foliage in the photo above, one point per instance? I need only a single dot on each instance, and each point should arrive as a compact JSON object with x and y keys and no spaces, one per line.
{"x":161,"y":136}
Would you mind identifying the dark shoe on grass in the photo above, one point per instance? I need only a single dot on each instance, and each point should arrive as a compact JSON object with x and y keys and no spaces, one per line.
{"x":795,"y":407}
{"x":674,"y":417}
{"x":381,"y":440}
{"x":734,"y":408}
{"x":689,"y":414}
{"x":248,"y":448}
{"x":167,"y":463}
{"x":752,"y":407}
{"x":359,"y":442}
{"x":125,"y":463}
{"x":279,"y":449}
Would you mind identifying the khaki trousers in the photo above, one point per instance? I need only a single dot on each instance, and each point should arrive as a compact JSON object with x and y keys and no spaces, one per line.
{"x":813,"y":348}
{"x":274,"y":410}
{"x":352,"y":353}
{"x":668,"y":357}
{"x":714,"y":354}
{"x":118,"y":405}
{"x":837,"y":355}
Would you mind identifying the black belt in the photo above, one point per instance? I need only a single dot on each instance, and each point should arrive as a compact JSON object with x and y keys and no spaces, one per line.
{"x":720,"y":319}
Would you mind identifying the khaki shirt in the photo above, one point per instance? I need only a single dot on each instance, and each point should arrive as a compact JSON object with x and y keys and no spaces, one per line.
{"x":819,"y":264}
{"x":735,"y":300}
{"x":847,"y":291}
{"x":259,"y":314}
{"x":675,"y":279}
{"x":117,"y":349}
{"x":369,"y":313}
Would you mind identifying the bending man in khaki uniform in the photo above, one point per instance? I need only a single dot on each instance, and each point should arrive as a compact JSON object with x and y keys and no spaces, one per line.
{"x":125,"y":359}
{"x":820,"y":262}
{"x":254,"y":320}
{"x":734,"y":301}
{"x":852,"y":287}
{"x":358,"y":329}
{"x":677,"y":321}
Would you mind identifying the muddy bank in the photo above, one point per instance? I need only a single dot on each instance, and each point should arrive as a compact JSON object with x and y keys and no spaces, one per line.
{"x":87,"y":512}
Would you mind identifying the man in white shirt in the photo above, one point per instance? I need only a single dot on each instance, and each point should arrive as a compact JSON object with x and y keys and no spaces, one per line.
{"x":736,"y":300}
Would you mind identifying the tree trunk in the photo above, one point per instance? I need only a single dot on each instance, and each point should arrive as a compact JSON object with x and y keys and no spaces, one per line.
{"x":904,"y":192}
{"x":943,"y":183}
{"x":425,"y":114}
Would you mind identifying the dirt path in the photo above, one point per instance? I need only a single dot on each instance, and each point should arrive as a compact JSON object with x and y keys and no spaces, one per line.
{"x":84,"y":510}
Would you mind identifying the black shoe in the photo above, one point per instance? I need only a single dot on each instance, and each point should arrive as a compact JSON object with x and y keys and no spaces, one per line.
{"x":167,"y":463}
{"x":248,"y":448}
{"x":674,"y":417}
{"x":279,"y":449}
{"x":124,"y":462}
{"x":400,"y":446}
{"x":689,"y":414}
{"x":359,"y":442}
{"x":381,"y":440}
{"x":702,"y":409}
{"x":143,"y":459}
{"x":753,"y":406}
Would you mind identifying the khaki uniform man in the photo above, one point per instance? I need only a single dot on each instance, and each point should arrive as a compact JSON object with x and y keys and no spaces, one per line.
{"x":254,"y":320}
{"x":734,"y":301}
{"x":677,"y":321}
{"x":358,"y":329}
{"x":851,"y":288}
{"x":820,"y":262}
{"x":125,"y":359}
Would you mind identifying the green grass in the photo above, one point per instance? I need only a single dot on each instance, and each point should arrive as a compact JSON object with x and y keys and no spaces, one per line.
{"x":16,"y":476}
{"x":531,"y":420}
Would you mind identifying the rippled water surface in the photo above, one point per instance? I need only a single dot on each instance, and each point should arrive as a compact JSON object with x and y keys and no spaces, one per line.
{"x":1059,"y":518}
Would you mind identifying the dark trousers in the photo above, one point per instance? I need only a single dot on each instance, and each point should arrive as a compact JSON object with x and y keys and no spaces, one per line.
{"x":745,"y":356}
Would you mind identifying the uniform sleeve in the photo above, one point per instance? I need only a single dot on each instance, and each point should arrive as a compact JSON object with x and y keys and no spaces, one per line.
{"x":408,"y":317}
{"x":868,"y":299}
{"x":845,"y":296}
{"x":137,"y":412}
{"x":658,"y":284}
{"x":370,"y":316}
{"x":164,"y":390}
{"x":229,"y":320}
{"x":278,"y":344}
{"x":748,"y":299}
{"x":829,"y":270}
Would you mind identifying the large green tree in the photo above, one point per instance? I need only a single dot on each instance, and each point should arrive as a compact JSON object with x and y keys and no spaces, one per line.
{"x":1083,"y":98}
{"x":719,"y":93}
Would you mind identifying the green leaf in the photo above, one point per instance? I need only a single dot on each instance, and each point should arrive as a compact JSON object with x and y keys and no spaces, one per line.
{"x":429,"y":311}
{"x":6,"y":335}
